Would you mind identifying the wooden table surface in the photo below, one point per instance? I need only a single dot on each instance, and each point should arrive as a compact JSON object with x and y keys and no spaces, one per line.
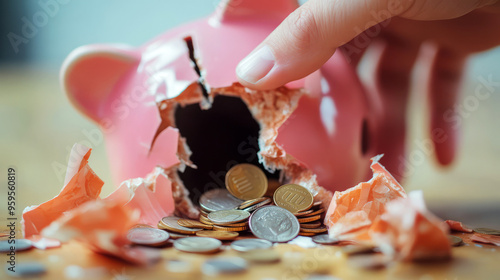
{"x":471,"y":261}
{"x":39,"y":127}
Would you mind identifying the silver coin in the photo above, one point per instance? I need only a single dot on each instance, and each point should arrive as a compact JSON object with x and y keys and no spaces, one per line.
{"x":224,"y":217}
{"x":147,"y":236}
{"x":244,"y":245}
{"x":17,"y":244}
{"x":27,"y":269}
{"x":197,"y":244}
{"x":261,"y":255}
{"x":224,"y":265}
{"x":455,"y":241}
{"x":274,"y":223}
{"x":487,"y":231}
{"x":219,"y":199}
{"x":324,"y":239}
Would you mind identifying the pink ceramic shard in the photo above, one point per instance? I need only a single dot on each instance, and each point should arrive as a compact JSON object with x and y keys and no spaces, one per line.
{"x":81,"y":185}
{"x":150,"y":195}
{"x":353,"y":212}
{"x":43,"y":243}
{"x":486,"y":238}
{"x":102,"y":226}
{"x":410,"y":232}
{"x":457,"y":226}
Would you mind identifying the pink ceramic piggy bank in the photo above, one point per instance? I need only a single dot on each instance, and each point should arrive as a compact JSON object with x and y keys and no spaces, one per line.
{"x":175,"y":103}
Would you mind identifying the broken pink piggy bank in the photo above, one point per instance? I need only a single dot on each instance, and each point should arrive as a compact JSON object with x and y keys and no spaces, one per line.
{"x":175,"y":103}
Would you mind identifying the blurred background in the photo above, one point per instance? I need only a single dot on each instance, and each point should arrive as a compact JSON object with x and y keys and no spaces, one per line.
{"x":38,"y":126}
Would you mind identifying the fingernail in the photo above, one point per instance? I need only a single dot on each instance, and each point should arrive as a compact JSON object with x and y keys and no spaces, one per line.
{"x":256,"y":66}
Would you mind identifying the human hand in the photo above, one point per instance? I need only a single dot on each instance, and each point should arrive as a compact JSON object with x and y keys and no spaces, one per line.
{"x":310,"y":35}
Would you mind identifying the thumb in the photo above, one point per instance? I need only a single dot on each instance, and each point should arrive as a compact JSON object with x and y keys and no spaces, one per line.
{"x":308,"y":37}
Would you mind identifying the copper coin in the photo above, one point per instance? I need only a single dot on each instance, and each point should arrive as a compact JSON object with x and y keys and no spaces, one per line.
{"x":314,"y":230}
{"x":170,"y":224}
{"x":193,"y":224}
{"x":314,"y":213}
{"x":303,"y":213}
{"x":309,"y":219}
{"x":226,"y":228}
{"x":147,"y":236}
{"x":301,"y":233}
{"x":221,"y":235}
{"x":310,"y":225}
{"x":317,"y":204}
{"x":246,"y":181}
{"x":293,"y":198}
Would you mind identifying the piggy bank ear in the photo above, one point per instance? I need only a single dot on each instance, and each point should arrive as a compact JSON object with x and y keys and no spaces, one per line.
{"x":89,"y":74}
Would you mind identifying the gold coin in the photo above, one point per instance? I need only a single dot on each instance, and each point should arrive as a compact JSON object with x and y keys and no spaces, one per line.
{"x":142,"y":226}
{"x":487,"y":231}
{"x":193,"y":224}
{"x":303,"y":213}
{"x":242,"y":224}
{"x":272,"y":186}
{"x":225,"y":228}
{"x":455,"y":241}
{"x":204,"y":213}
{"x":258,"y":205}
{"x":246,"y":181}
{"x":251,"y":202}
{"x":178,"y":235}
{"x":310,"y":225}
{"x":170,"y":224}
{"x":301,"y":233}
{"x":205,"y":220}
{"x":309,"y":219}
{"x":221,"y":235}
{"x":293,"y":198}
{"x":314,"y":230}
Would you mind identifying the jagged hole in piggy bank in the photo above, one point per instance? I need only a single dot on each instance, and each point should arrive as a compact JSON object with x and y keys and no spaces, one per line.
{"x":219,"y":138}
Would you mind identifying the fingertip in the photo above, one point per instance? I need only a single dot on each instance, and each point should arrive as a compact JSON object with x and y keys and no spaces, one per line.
{"x":256,"y":66}
{"x":445,"y":139}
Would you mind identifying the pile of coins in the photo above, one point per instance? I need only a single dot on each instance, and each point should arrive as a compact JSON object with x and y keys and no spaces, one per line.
{"x":243,"y":207}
